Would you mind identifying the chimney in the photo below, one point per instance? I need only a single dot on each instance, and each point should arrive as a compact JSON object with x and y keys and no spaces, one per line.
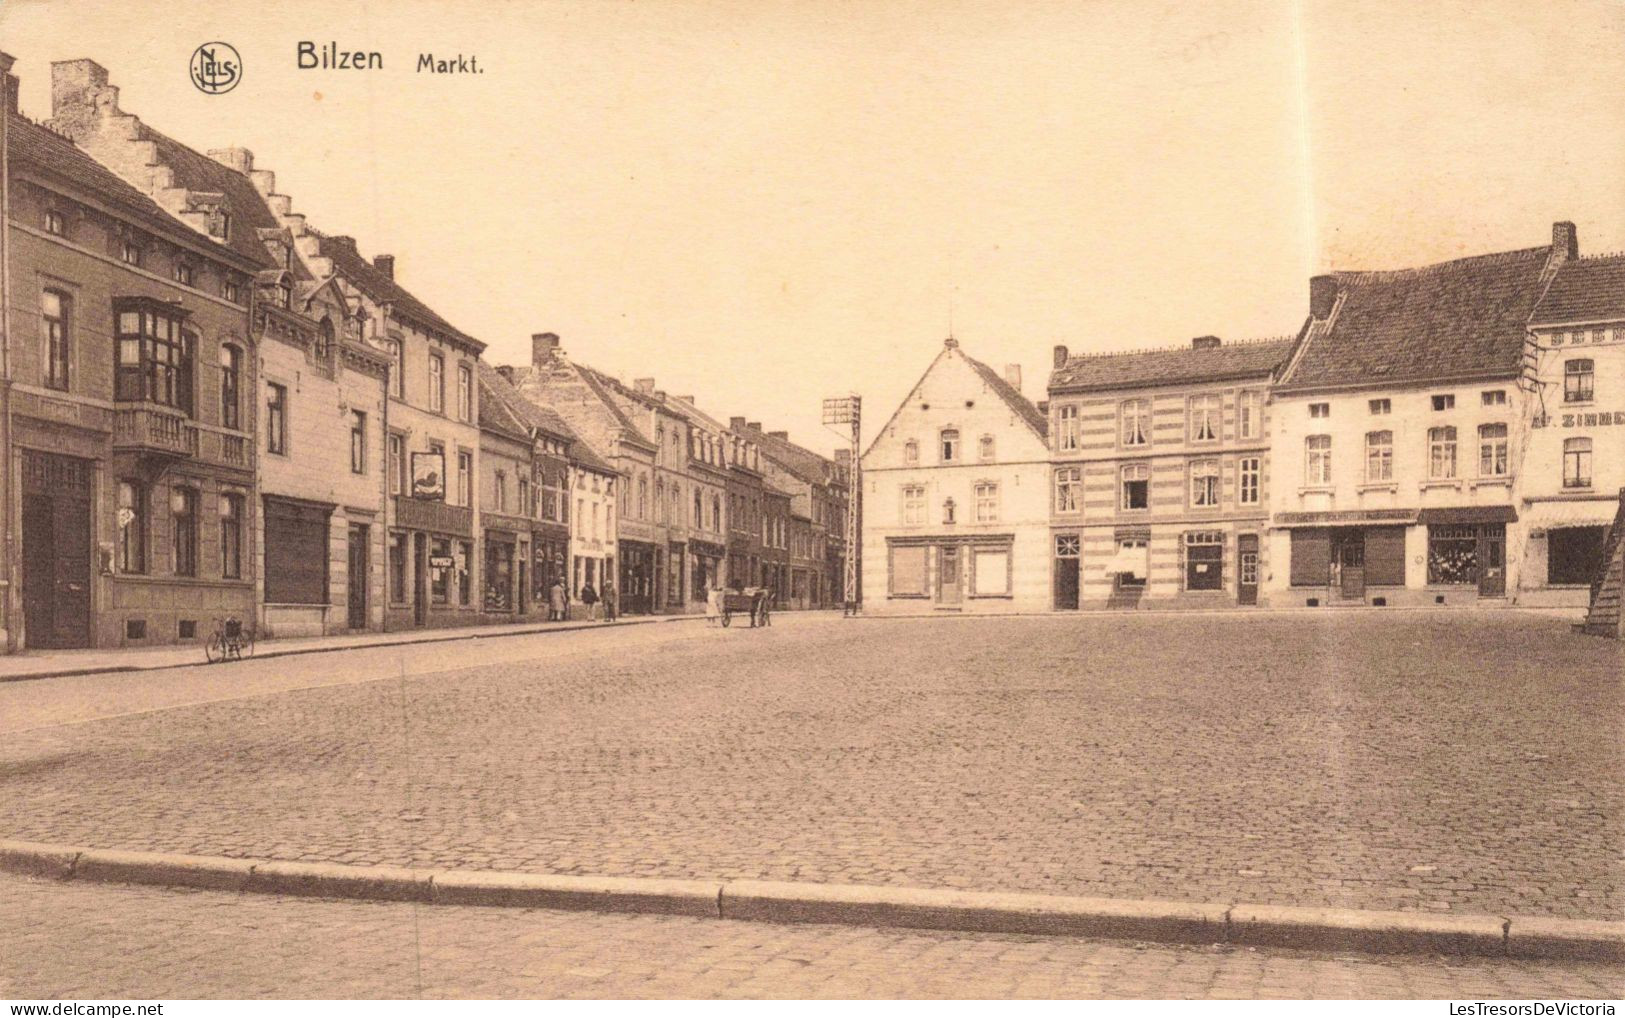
{"x":8,"y":81}
{"x":783,"y":436}
{"x":79,"y":94}
{"x":342,"y":240}
{"x":1205,"y":343}
{"x":544,"y":346}
{"x":1060,"y":356}
{"x":1565,"y":244}
{"x":506,"y":371}
{"x":1012,"y":376}
{"x":659,"y":394}
{"x":754,"y":425}
{"x":1322,"y":295}
{"x":384,"y":264}
{"x":643,"y":385}
{"x":736,"y":423}
{"x":239,"y":159}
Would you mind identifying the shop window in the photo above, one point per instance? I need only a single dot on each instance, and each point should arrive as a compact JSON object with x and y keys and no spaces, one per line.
{"x":907,"y":572}
{"x":990,"y":572}
{"x":1133,"y":556}
{"x":296,"y":552}
{"x":1574,"y":554}
{"x":1134,"y":418}
{"x":1204,"y":560}
{"x":1136,"y":484}
{"x":1492,"y":450}
{"x":1069,"y":490}
{"x":1579,"y":380}
{"x":1452,"y":554}
{"x":1577,"y":463}
{"x":441,"y":567}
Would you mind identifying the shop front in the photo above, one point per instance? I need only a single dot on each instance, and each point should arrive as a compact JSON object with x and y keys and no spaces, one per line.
{"x":432,"y":562}
{"x":1563,"y":552}
{"x":550,"y":556}
{"x":500,"y":573}
{"x":705,"y":562}
{"x":637,"y":577}
{"x":1398,"y":556}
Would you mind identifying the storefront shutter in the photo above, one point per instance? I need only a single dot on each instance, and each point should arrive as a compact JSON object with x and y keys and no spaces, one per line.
{"x":908,"y":570}
{"x":296,"y":550}
{"x":1384,"y":556}
{"x":1311,"y":557}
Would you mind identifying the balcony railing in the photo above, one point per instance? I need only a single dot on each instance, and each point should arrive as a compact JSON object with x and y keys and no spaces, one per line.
{"x":154,"y":429}
{"x":234,"y":450}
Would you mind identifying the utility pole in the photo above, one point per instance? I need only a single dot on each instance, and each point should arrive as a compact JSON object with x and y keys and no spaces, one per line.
{"x":848,"y":410}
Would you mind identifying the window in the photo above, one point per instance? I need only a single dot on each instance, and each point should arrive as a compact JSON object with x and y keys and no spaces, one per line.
{"x":56,"y":224}
{"x":56,"y":310}
{"x":231,"y":536}
{"x":325,"y":335}
{"x":1248,"y":419}
{"x":129,"y":253}
{"x":397,"y":379}
{"x":1069,"y":490}
{"x":437,"y":383}
{"x":231,"y":386}
{"x":1577,"y":463}
{"x":183,"y":273}
{"x":1492,"y":450}
{"x":465,"y":393}
{"x":154,"y":361}
{"x":913,"y":504}
{"x":440,"y":570}
{"x":1317,"y":463}
{"x":984,"y":448}
{"x":1381,"y":406}
{"x":1441,"y":453}
{"x":949,"y":510}
{"x":1494,"y":397}
{"x":1068,"y":546}
{"x":987,"y":502}
{"x":911,"y":452}
{"x":1379,"y":456}
{"x":1452,"y":553}
{"x":132,"y":527}
{"x":1066,"y":428}
{"x":276,"y":418}
{"x":1579,"y":380}
{"x":643,"y":496}
{"x":228,"y":290}
{"x":1204,"y":483}
{"x":990,"y":572}
{"x":1135,"y":418}
{"x":1204,"y":418}
{"x":1248,"y":480}
{"x":1132,"y":549}
{"x":284,"y":293}
{"x":183,"y":517}
{"x":1204,"y":560}
{"x":699,"y":510}
{"x":397,"y":568}
{"x":1445,"y":401}
{"x":465,"y":572}
{"x":526,"y":506}
{"x":220,"y":226}
{"x":949,"y":445}
{"x":1320,"y":410}
{"x":1136,"y":486}
{"x":465,"y":478}
{"x":358,"y":442}
{"x":397,"y":464}
{"x":907,"y":572}
{"x":716,"y":513}
{"x":1574,"y":554}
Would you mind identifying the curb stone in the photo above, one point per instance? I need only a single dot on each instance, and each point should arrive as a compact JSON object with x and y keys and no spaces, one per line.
{"x":849,"y":904}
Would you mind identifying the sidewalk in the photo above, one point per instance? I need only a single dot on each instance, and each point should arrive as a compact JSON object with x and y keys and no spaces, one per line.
{"x":56,"y":663}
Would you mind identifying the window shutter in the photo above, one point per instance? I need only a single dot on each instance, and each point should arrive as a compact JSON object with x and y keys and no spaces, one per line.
{"x":1384,"y":556}
{"x":1311,"y":558}
{"x":296,"y":550}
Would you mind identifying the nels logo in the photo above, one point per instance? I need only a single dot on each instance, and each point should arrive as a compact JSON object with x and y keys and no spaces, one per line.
{"x":216,"y":68}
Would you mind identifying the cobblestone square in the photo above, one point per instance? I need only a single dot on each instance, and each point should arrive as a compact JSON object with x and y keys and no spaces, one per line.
{"x":1455,"y":762}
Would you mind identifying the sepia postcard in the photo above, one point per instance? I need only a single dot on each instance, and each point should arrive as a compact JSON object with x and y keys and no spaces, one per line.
{"x":812,"y":500}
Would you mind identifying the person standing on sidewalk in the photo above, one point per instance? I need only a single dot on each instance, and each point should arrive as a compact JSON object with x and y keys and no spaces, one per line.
{"x":610,"y":607}
{"x":589,"y":597}
{"x":557,"y":600}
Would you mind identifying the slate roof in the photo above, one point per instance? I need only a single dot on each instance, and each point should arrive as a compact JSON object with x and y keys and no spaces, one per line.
{"x":798,"y":460}
{"x":538,"y":415}
{"x":1456,"y":319}
{"x":1023,"y":406}
{"x":367,"y":278}
{"x":497,"y":411}
{"x":195,"y":171}
{"x":1173,"y":366}
{"x":46,"y":151}
{"x":1585,"y":290}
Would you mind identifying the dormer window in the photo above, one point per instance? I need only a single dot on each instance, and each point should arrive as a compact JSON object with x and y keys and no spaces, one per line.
{"x":130,"y":253}
{"x":229,"y":291}
{"x":183,"y":273}
{"x":56,"y":224}
{"x":220,"y":226}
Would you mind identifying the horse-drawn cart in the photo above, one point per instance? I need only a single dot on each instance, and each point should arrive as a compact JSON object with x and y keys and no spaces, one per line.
{"x":751,"y":603}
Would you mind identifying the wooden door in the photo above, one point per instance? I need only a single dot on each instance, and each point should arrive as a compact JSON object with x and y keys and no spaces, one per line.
{"x":357,"y":582}
{"x":1351,"y":564}
{"x":1492,"y":560}
{"x":948,"y":570}
{"x":56,"y":551}
{"x":420,"y":579}
{"x":1247,"y":569}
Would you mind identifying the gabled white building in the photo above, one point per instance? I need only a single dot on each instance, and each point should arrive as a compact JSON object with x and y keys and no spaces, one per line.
{"x":956,"y":508}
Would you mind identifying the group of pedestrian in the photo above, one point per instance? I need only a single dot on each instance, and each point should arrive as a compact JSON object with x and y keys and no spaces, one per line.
{"x":558,"y":601}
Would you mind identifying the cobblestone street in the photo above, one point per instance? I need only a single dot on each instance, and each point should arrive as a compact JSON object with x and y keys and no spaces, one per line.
{"x":74,"y":940}
{"x":1452,"y":762}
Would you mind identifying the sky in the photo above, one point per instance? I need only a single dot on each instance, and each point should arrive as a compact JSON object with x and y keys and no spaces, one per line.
{"x":765,"y":203}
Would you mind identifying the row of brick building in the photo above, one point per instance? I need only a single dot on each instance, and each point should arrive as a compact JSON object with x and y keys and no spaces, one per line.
{"x":211,"y":407}
{"x":1447,"y":434}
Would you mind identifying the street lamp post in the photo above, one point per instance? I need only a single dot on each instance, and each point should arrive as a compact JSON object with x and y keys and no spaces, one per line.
{"x":848,"y":410}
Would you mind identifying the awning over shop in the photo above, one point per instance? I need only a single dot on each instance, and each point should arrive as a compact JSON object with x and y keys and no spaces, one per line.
{"x":1131,"y":561}
{"x":1470,"y":514}
{"x":1597,"y":512}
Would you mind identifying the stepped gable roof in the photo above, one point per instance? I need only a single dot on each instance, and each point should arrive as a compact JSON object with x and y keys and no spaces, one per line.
{"x":43,"y":149}
{"x":1585,"y":290}
{"x":1458,"y":318}
{"x":1136,"y":369}
{"x":195,"y":171}
{"x":381,"y":287}
{"x":1023,"y":407}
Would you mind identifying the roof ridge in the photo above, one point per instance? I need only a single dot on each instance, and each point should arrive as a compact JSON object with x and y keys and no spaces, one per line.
{"x":1467,"y":261}
{"x":1180,"y":348}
